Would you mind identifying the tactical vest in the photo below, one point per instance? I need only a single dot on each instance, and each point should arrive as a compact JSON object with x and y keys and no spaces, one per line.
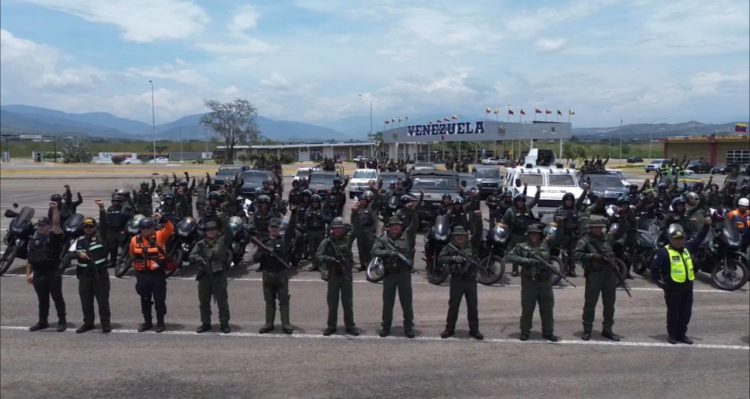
{"x":521,"y":221}
{"x":115,"y":219}
{"x":148,"y":256}
{"x":314,"y":219}
{"x":39,"y":252}
{"x":269,"y":263}
{"x":261,"y":222}
{"x":365,"y":218}
{"x":680,"y":265}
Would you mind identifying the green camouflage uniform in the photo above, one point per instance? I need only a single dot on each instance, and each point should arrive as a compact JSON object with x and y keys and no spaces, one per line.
{"x":536,"y":286}
{"x":600,"y":278}
{"x":339,"y":277}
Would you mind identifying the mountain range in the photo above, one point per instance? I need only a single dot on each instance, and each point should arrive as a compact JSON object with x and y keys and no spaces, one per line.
{"x":24,"y":119}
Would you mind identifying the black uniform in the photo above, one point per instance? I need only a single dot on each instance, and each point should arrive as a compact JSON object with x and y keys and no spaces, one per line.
{"x":93,"y":280}
{"x":44,"y":258}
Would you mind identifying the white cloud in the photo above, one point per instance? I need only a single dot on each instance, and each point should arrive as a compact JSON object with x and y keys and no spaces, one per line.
{"x":244,"y":46}
{"x":712,"y":82}
{"x":179,"y":72}
{"x":276,"y":82}
{"x":545,"y":45}
{"x":245,"y":17}
{"x":139,"y":20}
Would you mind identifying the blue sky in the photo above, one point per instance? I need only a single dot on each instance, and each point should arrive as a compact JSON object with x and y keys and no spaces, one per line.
{"x":309,"y":60}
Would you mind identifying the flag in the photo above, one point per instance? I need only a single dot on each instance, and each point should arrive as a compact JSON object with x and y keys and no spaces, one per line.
{"x":537,"y":111}
{"x":559,"y":113}
{"x":571,"y":113}
{"x":454,"y":117}
{"x":740,"y":128}
{"x":546,"y":111}
{"x":393,"y":120}
{"x":438,"y":121}
{"x":387,"y":122}
{"x":406,"y":118}
{"x":446,"y":119}
{"x":523,"y":113}
{"x":510,"y":112}
{"x":488,"y":110}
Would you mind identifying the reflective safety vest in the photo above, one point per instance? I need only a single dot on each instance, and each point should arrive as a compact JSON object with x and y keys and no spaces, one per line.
{"x":150,"y":254}
{"x":680,"y":265}
{"x":97,"y":253}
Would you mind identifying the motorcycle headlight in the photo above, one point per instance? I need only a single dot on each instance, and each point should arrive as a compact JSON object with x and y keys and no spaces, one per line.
{"x":441,"y":237}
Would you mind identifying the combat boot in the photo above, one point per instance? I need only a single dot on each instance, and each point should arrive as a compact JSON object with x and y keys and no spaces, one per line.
{"x":40,"y":325}
{"x":160,"y":327}
{"x":286,"y":326}
{"x":146,"y":325}
{"x":270,"y":316}
{"x":62,"y":325}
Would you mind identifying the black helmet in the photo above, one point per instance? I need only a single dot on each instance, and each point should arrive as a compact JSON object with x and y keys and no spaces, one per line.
{"x":56,"y":198}
{"x":448,"y":196}
{"x":662,"y":186}
{"x":316,"y":198}
{"x":295,"y":183}
{"x":214,"y":195}
{"x":307,"y":193}
{"x":568,"y":196}
{"x":519,"y":197}
{"x":633,"y":187}
{"x":677,"y":201}
{"x":144,"y":184}
{"x":264,"y":199}
{"x":458,"y":201}
{"x":168,"y":196}
{"x":407,"y":198}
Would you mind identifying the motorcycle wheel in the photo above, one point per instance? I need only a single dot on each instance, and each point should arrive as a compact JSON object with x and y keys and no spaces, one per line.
{"x":375,"y":270}
{"x":177,"y":256}
{"x":729,"y":276}
{"x":491,"y":270}
{"x":437,"y":274}
{"x":123,"y":265}
{"x":8,"y":257}
{"x":557,"y":263}
{"x":238,"y":252}
{"x":643,"y":262}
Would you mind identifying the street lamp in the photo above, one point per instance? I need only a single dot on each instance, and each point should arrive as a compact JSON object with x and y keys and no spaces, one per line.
{"x":370,"y":101}
{"x":153,"y":119}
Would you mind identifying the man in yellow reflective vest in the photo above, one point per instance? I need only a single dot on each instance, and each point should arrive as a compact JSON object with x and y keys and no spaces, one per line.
{"x":673,"y":270}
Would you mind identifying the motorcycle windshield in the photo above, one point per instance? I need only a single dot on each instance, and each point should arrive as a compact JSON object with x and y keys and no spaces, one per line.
{"x":74,"y":224}
{"x":732,"y":233}
{"x":441,"y":226}
{"x":23,"y":219}
{"x":501,"y":232}
{"x":186,"y":226}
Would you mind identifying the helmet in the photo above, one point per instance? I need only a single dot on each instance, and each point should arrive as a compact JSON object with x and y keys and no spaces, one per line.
{"x":533,"y":229}
{"x":144,"y":184}
{"x":214,"y":195}
{"x":316,"y":198}
{"x":662,"y":186}
{"x":121,"y":191}
{"x":743,"y":202}
{"x":367,"y":195}
{"x":168,"y":196}
{"x":691,"y":195}
{"x":568,"y":196}
{"x":448,"y":196}
{"x":393,"y":220}
{"x":307,"y":193}
{"x":264,"y":199}
{"x":117,"y":198}
{"x":295,"y":183}
{"x":633,"y":187}
{"x":458,"y":201}
{"x":407,"y":198}
{"x":677,"y":201}
{"x":337,"y":222}
{"x":56,"y":198}
{"x":146,"y":223}
{"x":675,"y":231}
{"x":597,"y":221}
{"x":519,"y":197}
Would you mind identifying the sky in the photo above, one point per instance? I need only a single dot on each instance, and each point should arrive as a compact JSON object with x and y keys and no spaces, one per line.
{"x":322,"y":62}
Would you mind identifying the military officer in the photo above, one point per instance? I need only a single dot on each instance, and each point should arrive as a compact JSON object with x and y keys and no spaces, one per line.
{"x":335,"y":256}
{"x":463,"y":282}
{"x":365,"y":219}
{"x":315,"y":225}
{"x":519,"y":217}
{"x":594,"y":250}
{"x":212,"y":256}
{"x":142,"y":198}
{"x":536,"y":285}
{"x":566,"y":216}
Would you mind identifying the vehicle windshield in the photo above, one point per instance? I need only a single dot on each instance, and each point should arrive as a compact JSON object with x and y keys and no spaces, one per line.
{"x":604,"y":181}
{"x":532,"y":180}
{"x":321,"y":179}
{"x":562,"y":180}
{"x":303,"y":172}
{"x":254,"y":176}
{"x":488,"y":173}
{"x":658,"y":162}
{"x":434,"y":183}
{"x":228,"y":171}
{"x":361,"y":174}
{"x":388,"y":179}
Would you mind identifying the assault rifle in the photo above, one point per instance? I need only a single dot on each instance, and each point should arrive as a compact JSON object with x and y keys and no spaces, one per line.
{"x":392,"y":246}
{"x":468,"y":258}
{"x":261,"y":246}
{"x":550,"y":268}
{"x":616,"y":271}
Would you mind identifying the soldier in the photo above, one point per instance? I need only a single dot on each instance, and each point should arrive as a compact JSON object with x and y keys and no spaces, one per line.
{"x":536,"y":285}
{"x":519,"y":217}
{"x":566,"y":216}
{"x":397,"y":273}
{"x":113,"y":226}
{"x":335,"y":255}
{"x":295,"y":194}
{"x":315,"y":224}
{"x":43,"y":271}
{"x":275,"y":274}
{"x":212,"y":209}
{"x":148,"y":251}
{"x":262,"y":217}
{"x":164,"y":186}
{"x":365,"y":219}
{"x":200,"y":192}
{"x":627,"y":235}
{"x":142,"y":198}
{"x":68,"y":201}
{"x":339,"y":192}
{"x":212,"y":256}
{"x":681,"y":216}
{"x":595,"y":252}
{"x":463,"y":283}
{"x":93,"y":279}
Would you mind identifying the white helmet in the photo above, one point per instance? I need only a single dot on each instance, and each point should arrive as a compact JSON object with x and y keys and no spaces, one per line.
{"x":743,"y":202}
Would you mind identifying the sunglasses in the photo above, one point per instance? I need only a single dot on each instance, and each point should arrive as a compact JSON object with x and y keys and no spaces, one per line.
{"x":211,"y":229}
{"x":88,"y":226}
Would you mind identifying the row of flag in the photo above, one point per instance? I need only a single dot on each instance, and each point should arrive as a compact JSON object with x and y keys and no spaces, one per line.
{"x":740,"y":128}
{"x":496,"y":111}
{"x":393,"y":121}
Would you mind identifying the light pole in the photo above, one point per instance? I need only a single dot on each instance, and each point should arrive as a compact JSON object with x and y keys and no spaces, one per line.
{"x":620,"y":138}
{"x":370,"y":101}
{"x":153,"y":119}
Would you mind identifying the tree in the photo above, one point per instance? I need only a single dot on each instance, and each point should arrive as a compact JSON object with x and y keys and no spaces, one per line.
{"x":160,"y":148}
{"x":234,"y":122}
{"x":75,"y":151}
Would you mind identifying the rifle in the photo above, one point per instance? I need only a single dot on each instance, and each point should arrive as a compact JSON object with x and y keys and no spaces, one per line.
{"x":615,"y":270}
{"x":463,"y":255}
{"x":339,"y":258}
{"x":550,"y":268}
{"x":392,"y":246}
{"x":260,"y":245}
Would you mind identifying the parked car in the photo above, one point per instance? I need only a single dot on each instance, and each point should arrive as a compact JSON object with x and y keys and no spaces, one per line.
{"x":226,"y":172}
{"x":495,"y":161}
{"x":252,"y":180}
{"x":129,"y":161}
{"x":159,"y":160}
{"x":699,"y":166}
{"x":488,"y":179}
{"x":609,"y":185}
{"x":424,"y":166}
{"x":360,"y":181}
{"x":468,"y":181}
{"x":635,"y":160}
{"x":390,"y":177}
{"x":724,"y":168}
{"x":304,"y":173}
{"x":655,"y":165}
{"x":321,"y":182}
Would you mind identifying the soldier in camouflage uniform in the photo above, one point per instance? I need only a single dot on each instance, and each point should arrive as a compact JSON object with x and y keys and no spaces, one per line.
{"x":566,"y":217}
{"x":338,"y":263}
{"x":536,"y":285}
{"x":593,"y":250}
{"x":463,"y":283}
{"x":519,"y":217}
{"x":143,"y":198}
{"x":315,"y":225}
{"x":365,"y":219}
{"x":397,"y":274}
{"x":212,"y":257}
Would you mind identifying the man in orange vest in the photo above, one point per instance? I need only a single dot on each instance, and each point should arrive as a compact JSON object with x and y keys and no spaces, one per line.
{"x":148,"y":251}
{"x":741,"y":217}
{"x":672,"y":268}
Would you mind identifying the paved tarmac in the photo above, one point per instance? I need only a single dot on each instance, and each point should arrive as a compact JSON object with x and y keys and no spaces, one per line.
{"x":181,"y":363}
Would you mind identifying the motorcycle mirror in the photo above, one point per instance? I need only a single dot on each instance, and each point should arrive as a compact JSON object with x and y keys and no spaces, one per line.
{"x":15,"y":204}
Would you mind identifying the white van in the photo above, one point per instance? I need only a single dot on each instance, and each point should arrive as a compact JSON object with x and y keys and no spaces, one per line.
{"x":554,"y":179}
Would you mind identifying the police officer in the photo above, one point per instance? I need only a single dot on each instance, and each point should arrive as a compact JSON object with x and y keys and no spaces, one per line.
{"x":397,"y":274}
{"x":463,"y":282}
{"x":142,"y":198}
{"x":148,"y":251}
{"x":113,"y":227}
{"x":594,"y":250}
{"x":536,"y":285}
{"x":43,"y":268}
{"x":212,"y":256}
{"x":566,"y":216}
{"x":93,"y":279}
{"x":335,"y":255}
{"x":275,"y":275}
{"x":519,"y":217}
{"x":673,"y":270}
{"x":365,"y":219}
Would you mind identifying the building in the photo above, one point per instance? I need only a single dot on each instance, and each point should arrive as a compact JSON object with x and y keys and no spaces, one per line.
{"x":309,"y":152}
{"x":712,"y":149}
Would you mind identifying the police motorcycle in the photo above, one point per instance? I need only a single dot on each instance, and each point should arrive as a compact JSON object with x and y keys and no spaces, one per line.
{"x":240,"y":239}
{"x":721,"y":255}
{"x":123,"y":263}
{"x":648,"y":244}
{"x":72,"y":229}
{"x":492,"y":254}
{"x":436,"y":238}
{"x":186,"y":236}
{"x":17,"y":238}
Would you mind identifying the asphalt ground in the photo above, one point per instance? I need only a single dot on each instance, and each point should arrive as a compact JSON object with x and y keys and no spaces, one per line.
{"x":181,"y":363}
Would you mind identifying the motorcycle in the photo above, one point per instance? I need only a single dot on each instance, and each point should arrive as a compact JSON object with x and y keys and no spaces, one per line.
{"x":435,"y":239}
{"x":185,"y":238}
{"x":375,"y":270}
{"x":17,"y":238}
{"x":721,"y":255}
{"x":72,"y":229}
{"x":123,"y":263}
{"x":240,"y":234}
{"x":648,"y":244}
{"x":492,"y":254}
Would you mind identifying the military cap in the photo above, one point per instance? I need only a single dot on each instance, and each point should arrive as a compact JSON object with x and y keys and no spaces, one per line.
{"x":393,"y":220}
{"x":459,"y":231}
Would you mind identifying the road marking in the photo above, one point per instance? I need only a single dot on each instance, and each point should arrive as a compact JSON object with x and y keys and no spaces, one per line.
{"x":422,"y":339}
{"x":418,"y":282}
